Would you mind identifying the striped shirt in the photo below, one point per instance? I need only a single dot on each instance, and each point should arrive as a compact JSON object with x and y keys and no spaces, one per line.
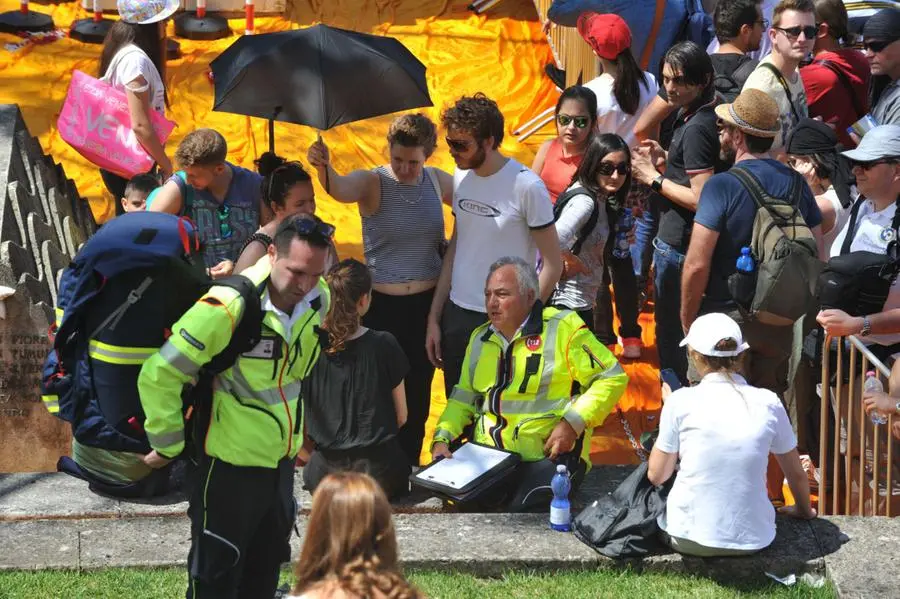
{"x":402,"y":239}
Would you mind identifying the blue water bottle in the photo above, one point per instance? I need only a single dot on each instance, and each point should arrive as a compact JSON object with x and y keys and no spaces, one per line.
{"x":745,"y":261}
{"x":622,"y":249}
{"x":560,"y":509}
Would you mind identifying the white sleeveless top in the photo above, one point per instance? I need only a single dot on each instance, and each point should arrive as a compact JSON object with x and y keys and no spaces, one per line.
{"x":128,"y":64}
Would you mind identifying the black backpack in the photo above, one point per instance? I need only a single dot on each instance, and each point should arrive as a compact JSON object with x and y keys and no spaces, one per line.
{"x":624,"y":524}
{"x":859,"y":282}
{"x":729,"y":85}
{"x":586,"y":229}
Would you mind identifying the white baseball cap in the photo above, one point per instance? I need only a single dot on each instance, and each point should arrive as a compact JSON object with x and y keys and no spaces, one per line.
{"x":709,"y":329}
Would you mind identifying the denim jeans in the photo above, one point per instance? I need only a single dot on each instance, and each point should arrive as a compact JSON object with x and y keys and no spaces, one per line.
{"x":624,"y":283}
{"x":644,"y":233}
{"x":669,"y":263}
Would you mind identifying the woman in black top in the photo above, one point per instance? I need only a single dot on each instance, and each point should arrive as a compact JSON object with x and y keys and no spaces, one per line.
{"x":354,"y":397}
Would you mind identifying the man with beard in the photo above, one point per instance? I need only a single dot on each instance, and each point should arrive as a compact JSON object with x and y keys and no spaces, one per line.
{"x":724,"y":224}
{"x":502,"y":209}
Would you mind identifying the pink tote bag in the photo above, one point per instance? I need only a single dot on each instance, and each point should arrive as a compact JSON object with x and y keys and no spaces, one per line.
{"x":96,"y":122}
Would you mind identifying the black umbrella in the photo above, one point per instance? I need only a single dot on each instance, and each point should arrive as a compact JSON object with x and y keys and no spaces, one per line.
{"x":321,"y":77}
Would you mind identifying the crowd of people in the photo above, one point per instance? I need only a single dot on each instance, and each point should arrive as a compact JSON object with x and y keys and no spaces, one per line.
{"x":516,"y":307}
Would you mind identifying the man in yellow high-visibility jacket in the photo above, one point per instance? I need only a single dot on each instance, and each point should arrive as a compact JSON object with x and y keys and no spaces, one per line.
{"x":242,"y":508}
{"x":535,"y":381}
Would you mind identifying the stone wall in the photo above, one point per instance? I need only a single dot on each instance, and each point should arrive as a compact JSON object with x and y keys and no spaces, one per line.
{"x":43,"y":222}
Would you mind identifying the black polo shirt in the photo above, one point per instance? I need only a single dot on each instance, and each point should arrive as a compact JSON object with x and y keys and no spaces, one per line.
{"x":694,"y":149}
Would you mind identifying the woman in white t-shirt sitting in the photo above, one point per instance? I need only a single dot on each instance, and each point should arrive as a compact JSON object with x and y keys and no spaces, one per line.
{"x":722,"y":431}
{"x":133,"y":60}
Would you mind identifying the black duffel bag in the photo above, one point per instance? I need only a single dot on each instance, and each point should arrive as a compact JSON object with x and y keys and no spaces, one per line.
{"x":859,"y":282}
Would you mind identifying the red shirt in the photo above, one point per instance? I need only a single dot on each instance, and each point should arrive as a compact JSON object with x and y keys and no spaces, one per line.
{"x":558,"y":170}
{"x":828,"y":98}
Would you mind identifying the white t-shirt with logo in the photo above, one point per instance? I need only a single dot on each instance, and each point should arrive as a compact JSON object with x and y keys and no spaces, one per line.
{"x":873,"y":234}
{"x":494,"y":218}
{"x":723,"y":430}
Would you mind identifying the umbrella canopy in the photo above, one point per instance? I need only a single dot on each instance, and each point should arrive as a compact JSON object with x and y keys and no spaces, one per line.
{"x":321,"y":77}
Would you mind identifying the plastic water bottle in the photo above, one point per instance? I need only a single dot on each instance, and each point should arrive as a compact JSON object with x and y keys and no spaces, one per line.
{"x":745,"y":261}
{"x":874,"y":384}
{"x":560,"y":509}
{"x":622,"y":248}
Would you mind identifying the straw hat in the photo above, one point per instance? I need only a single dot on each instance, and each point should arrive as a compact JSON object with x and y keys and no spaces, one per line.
{"x":753,"y":112}
{"x":145,"y":12}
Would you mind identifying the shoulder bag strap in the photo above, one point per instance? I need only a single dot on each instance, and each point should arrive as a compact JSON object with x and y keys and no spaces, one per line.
{"x":842,"y":77}
{"x":784,"y":85}
{"x":851,"y":226}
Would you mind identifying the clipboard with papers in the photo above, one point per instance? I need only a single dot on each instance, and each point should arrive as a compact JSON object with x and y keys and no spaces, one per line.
{"x":473,"y":469}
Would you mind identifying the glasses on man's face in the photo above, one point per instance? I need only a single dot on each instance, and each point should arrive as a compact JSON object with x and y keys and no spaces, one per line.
{"x":224,"y":214}
{"x":608,"y":168}
{"x":458,"y":145}
{"x":876,"y":46}
{"x":581,"y":122}
{"x":872,"y":164}
{"x":809,"y":32}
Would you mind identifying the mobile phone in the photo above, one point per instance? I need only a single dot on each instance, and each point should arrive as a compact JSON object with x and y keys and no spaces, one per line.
{"x":668,"y":376}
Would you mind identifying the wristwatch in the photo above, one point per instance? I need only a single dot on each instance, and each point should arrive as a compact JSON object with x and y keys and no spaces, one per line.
{"x":866,"y":327}
{"x":657,"y":184}
{"x":897,"y":408}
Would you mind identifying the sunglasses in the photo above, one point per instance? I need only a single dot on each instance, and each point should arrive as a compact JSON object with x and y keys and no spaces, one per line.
{"x":876,"y":47}
{"x":458,"y":145}
{"x":608,"y":168}
{"x":809,"y":32}
{"x":308,"y":225}
{"x":870,"y":165}
{"x":764,"y":23}
{"x":581,"y":122}
{"x":224,"y":214}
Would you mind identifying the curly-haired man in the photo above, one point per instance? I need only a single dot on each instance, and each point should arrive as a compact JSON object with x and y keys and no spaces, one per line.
{"x":502,"y":209}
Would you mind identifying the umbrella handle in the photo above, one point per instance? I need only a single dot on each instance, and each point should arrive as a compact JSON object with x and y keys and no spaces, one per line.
{"x":327,"y":182}
{"x":272,"y":135}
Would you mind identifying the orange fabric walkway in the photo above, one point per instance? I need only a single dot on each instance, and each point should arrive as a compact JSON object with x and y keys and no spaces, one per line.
{"x":501,"y":53}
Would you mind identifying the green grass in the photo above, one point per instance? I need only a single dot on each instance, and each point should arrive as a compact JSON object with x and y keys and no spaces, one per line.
{"x":170,"y":583}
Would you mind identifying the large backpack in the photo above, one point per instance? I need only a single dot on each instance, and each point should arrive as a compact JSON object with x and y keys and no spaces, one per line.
{"x":588,"y":226}
{"x":118,"y":300}
{"x":782,"y":288}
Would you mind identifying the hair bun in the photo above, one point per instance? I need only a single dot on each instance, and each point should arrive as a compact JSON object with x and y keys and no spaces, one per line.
{"x":268,"y":162}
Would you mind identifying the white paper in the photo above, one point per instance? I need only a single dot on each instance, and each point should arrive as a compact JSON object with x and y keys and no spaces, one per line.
{"x":468,"y":463}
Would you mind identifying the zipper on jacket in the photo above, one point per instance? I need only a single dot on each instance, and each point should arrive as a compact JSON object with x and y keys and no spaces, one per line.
{"x":287,"y":409}
{"x":504,"y":372}
{"x":521,"y":422}
{"x":264,"y":411}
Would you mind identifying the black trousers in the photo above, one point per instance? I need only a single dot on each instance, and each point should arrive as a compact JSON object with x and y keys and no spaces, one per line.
{"x":385,"y":462}
{"x":406,"y":318}
{"x":619,"y":271}
{"x":457,"y":325}
{"x":241,"y":521}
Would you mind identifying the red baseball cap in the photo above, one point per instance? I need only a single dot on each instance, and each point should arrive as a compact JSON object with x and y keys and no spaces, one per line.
{"x":607,"y":34}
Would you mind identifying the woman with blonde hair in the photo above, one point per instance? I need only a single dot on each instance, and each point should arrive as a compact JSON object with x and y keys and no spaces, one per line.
{"x":400,"y":205}
{"x":354,"y":398}
{"x":350,"y":548}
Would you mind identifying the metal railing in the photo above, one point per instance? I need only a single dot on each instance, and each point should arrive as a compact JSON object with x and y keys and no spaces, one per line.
{"x":856,"y":477}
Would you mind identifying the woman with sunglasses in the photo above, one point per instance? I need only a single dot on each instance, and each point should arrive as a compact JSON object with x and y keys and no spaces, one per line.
{"x":600,"y":184}
{"x":403,"y":239}
{"x":558,"y":159}
{"x":287,"y":190}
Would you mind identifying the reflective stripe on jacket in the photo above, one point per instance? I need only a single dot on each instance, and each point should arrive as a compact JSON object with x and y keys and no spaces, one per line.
{"x":256,"y":410}
{"x":554,"y":368}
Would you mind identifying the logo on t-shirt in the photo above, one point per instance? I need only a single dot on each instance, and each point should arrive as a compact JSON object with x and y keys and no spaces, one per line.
{"x":887,"y":235}
{"x":478,"y":209}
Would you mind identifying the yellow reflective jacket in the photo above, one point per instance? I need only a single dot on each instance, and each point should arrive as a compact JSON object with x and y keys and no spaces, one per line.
{"x":256,"y":408}
{"x":554,"y":368}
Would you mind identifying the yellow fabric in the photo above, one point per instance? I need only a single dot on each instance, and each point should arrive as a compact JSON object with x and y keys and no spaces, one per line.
{"x":501,"y":53}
